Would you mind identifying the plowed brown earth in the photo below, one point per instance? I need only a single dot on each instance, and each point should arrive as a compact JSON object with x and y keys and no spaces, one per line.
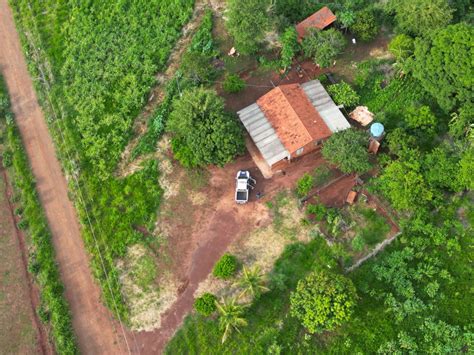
{"x":96,"y":331}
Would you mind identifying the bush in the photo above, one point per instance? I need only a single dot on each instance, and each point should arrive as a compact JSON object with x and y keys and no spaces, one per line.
{"x":226,"y":267}
{"x":23,"y":224}
{"x":358,"y":243}
{"x":343,"y":94}
{"x":318,"y":211}
{"x":290,"y":47}
{"x":402,"y":47}
{"x":233,"y":84}
{"x":7,"y":159}
{"x":323,"y":46}
{"x":304,"y":185}
{"x":206,"y":304}
{"x":365,"y":26}
{"x":322,"y":301}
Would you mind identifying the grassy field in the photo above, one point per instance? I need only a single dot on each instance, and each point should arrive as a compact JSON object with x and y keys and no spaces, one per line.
{"x":17,"y":333}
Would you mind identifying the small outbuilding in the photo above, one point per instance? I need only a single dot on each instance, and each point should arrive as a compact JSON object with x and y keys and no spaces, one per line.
{"x":290,"y":121}
{"x":319,"y":20}
{"x":362,"y":115}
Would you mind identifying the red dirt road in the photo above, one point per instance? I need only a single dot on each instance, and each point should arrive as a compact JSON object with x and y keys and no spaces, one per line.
{"x":96,"y":332}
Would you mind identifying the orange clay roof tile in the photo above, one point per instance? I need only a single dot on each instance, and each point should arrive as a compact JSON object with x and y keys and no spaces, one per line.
{"x":319,"y":20}
{"x":293,"y":117}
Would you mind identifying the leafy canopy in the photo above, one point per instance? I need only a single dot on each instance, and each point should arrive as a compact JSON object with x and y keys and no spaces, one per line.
{"x":344,"y":94}
{"x":422,"y":17}
{"x":444,"y":65}
{"x":290,"y":46}
{"x":226,"y":267}
{"x":203,"y":133}
{"x":247,"y":23}
{"x":348,"y":150}
{"x":205,"y":304}
{"x":365,"y":25}
{"x":323,"y":46}
{"x":323,"y":301}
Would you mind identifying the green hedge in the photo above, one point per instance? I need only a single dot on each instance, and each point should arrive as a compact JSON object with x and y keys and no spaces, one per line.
{"x":54,"y":308}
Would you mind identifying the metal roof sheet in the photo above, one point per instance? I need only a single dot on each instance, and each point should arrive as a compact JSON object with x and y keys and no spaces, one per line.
{"x":263,"y":134}
{"x":323,"y":103}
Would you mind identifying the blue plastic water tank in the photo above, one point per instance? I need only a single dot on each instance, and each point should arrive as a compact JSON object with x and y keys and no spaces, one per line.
{"x":376,"y":129}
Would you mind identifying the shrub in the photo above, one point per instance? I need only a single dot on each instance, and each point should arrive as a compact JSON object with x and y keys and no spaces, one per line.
{"x":344,"y":94}
{"x":23,"y":224}
{"x":358,"y":243}
{"x":206,"y":304}
{"x":7,"y":159}
{"x":18,"y":211}
{"x":365,"y":26}
{"x":402,"y":47}
{"x":304,"y":185}
{"x":226,"y":267}
{"x":290,"y":46}
{"x":318,"y":211}
{"x":323,"y":301}
{"x":233,"y":84}
{"x":323,"y":46}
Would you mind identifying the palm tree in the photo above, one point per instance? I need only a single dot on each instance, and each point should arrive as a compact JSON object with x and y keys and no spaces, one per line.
{"x":230,"y":316}
{"x":252,"y":282}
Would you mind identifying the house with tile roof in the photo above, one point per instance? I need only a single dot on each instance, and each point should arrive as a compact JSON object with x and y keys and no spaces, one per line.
{"x":292,"y":120}
{"x":319,"y":20}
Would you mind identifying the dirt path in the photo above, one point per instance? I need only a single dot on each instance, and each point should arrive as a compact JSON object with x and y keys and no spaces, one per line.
{"x":95,"y":330}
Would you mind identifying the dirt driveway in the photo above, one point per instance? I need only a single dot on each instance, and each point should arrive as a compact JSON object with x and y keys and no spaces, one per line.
{"x":96,"y":332}
{"x":199,"y":244}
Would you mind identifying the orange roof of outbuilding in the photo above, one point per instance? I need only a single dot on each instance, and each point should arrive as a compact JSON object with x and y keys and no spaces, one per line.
{"x":320,"y":20}
{"x":293,"y":116}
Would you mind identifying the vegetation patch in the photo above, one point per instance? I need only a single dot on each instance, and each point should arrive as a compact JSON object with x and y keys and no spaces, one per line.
{"x":226,"y":267}
{"x":54,"y":307}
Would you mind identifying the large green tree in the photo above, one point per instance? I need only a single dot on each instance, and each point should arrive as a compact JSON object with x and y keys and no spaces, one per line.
{"x":444,"y":65}
{"x":323,"y":46}
{"x":348,"y":150}
{"x":323,"y":301}
{"x":289,"y":46}
{"x":203,"y":133}
{"x":421,"y":17}
{"x":404,"y":184}
{"x":365,"y":25}
{"x":247,"y":23}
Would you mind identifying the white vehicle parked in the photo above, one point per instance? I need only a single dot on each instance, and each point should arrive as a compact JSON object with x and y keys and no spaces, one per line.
{"x":244,"y":182}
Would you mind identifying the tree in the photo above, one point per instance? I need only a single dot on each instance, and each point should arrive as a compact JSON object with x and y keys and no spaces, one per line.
{"x":344,"y":94}
{"x":462,"y":122}
{"x":346,"y":18}
{"x":466,"y":167}
{"x":203,"y":133}
{"x":441,"y":168}
{"x":323,"y":301}
{"x":403,"y":183}
{"x":290,"y":46}
{"x":443,"y":65}
{"x":323,"y":46}
{"x":422,"y":17}
{"x":230,"y":317}
{"x":252,"y":282}
{"x":348,"y":150}
{"x":402,"y":47}
{"x":399,"y":141}
{"x":247,"y":23}
{"x":365,"y":25}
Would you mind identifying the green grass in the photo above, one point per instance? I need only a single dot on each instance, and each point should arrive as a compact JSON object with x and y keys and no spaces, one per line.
{"x":144,"y":272}
{"x":376,"y":227}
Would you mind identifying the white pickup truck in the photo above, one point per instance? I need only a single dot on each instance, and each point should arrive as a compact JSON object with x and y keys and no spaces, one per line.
{"x":244,"y":182}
